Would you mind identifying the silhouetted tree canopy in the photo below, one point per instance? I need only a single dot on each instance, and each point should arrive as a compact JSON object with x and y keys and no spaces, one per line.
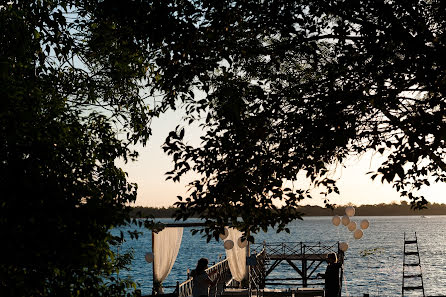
{"x":297,"y":86}
{"x":289,"y":87}
{"x":70,"y":106}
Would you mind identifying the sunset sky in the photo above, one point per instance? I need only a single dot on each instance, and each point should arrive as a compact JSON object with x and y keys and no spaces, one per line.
{"x":355,"y":186}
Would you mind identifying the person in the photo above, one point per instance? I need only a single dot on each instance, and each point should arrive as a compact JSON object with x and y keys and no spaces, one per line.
{"x":332,"y":279}
{"x":201,"y":280}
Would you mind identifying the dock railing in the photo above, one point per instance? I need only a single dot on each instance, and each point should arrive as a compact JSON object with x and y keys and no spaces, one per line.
{"x":257,"y":272}
{"x":297,"y":248}
{"x":223,"y":272}
{"x":305,"y":258}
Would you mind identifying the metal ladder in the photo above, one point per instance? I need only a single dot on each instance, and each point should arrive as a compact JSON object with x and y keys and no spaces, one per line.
{"x":413,"y":278}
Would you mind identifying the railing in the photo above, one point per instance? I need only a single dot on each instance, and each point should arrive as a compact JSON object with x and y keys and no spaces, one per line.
{"x":293,"y":248}
{"x":310,"y":256}
{"x":257,"y":272}
{"x":221,"y":268}
{"x":185,"y":288}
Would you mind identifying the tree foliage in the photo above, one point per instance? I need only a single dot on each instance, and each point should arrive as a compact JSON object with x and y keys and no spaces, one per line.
{"x":290,"y":87}
{"x":295,"y":87}
{"x":70,"y":107}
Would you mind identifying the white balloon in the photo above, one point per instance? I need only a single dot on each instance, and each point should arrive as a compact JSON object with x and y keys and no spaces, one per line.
{"x":336,"y":220}
{"x":343,"y":246}
{"x":351,"y":226}
{"x":345,"y":220}
{"x":225,"y":235}
{"x":242,"y":243}
{"x":229,"y":244}
{"x":358,"y":234}
{"x":364,"y":224}
{"x":149,"y":257}
{"x":350,"y":211}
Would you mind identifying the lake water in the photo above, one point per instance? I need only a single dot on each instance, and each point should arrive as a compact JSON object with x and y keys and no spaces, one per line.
{"x":378,"y":275}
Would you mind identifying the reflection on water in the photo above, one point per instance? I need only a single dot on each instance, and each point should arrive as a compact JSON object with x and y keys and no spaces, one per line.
{"x":379,"y":274}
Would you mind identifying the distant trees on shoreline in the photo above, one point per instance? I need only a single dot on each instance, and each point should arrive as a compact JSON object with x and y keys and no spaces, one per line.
{"x":383,"y":209}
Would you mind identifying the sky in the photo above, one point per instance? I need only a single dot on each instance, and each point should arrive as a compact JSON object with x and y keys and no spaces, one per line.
{"x":355,"y":186}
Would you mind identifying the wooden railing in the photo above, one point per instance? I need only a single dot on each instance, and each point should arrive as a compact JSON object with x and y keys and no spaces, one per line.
{"x":306,"y":258}
{"x":293,"y":248}
{"x":185,"y":288}
{"x":222,"y":272}
{"x":257,"y":272}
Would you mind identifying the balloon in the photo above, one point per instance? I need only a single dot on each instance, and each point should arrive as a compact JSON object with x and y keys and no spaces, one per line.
{"x":242,"y":243}
{"x":345,"y":220}
{"x":225,"y":235}
{"x":364,"y":224}
{"x":343,"y":246}
{"x":149,"y":257}
{"x":229,"y":244}
{"x":336,"y":220}
{"x":351,"y":226}
{"x":358,"y":234}
{"x":350,"y":211}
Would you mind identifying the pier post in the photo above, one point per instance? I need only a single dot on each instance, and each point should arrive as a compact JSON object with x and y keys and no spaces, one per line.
{"x":155,"y":288}
{"x":249,"y":267}
{"x":304,"y":273}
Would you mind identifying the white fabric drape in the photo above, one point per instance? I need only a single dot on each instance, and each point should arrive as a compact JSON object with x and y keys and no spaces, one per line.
{"x":166,"y":245}
{"x":236,"y":256}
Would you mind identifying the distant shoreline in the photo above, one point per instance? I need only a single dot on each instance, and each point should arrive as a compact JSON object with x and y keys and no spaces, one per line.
{"x":392,"y":209}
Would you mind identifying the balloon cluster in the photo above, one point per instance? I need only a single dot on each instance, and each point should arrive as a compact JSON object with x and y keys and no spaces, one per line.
{"x":351,"y":225}
{"x":229,"y":244}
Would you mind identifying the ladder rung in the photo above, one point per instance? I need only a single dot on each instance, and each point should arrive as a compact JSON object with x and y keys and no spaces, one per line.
{"x":413,"y":288}
{"x":412,"y":276}
{"x":411,"y":264}
{"x":410,"y":241}
{"x":410,"y":253}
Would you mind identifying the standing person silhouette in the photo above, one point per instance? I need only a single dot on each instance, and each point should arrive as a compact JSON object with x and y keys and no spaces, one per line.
{"x":201,"y":280}
{"x":332,"y":279}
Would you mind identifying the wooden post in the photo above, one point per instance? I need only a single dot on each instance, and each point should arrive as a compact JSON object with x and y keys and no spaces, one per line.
{"x":263,"y":265}
{"x":248,"y":266}
{"x":304,"y":267}
{"x":154,"y":288}
{"x":341,"y":255}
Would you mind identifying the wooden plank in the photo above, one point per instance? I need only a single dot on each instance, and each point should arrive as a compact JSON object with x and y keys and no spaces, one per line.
{"x":413,"y":288}
{"x":412,"y":276}
{"x":411,"y":264}
{"x":291,"y":285}
{"x":311,"y":273}
{"x":275,"y":264}
{"x":304,"y":292}
{"x":311,"y":257}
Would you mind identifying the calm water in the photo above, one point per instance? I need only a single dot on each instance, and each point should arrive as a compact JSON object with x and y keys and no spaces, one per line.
{"x":378,"y":275}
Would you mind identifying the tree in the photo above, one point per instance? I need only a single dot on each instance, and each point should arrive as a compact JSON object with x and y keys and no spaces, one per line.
{"x":296,"y":87}
{"x":70,"y":107}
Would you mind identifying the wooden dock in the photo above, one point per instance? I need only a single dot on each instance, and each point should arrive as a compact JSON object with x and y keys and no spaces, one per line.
{"x":305,"y":259}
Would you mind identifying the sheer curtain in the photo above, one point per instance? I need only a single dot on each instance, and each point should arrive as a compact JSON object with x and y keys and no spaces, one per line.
{"x":237,"y":256}
{"x":166,"y":245}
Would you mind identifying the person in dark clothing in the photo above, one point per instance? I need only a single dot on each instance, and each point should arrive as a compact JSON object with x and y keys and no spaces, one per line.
{"x":201,"y":280}
{"x":332,"y":279}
